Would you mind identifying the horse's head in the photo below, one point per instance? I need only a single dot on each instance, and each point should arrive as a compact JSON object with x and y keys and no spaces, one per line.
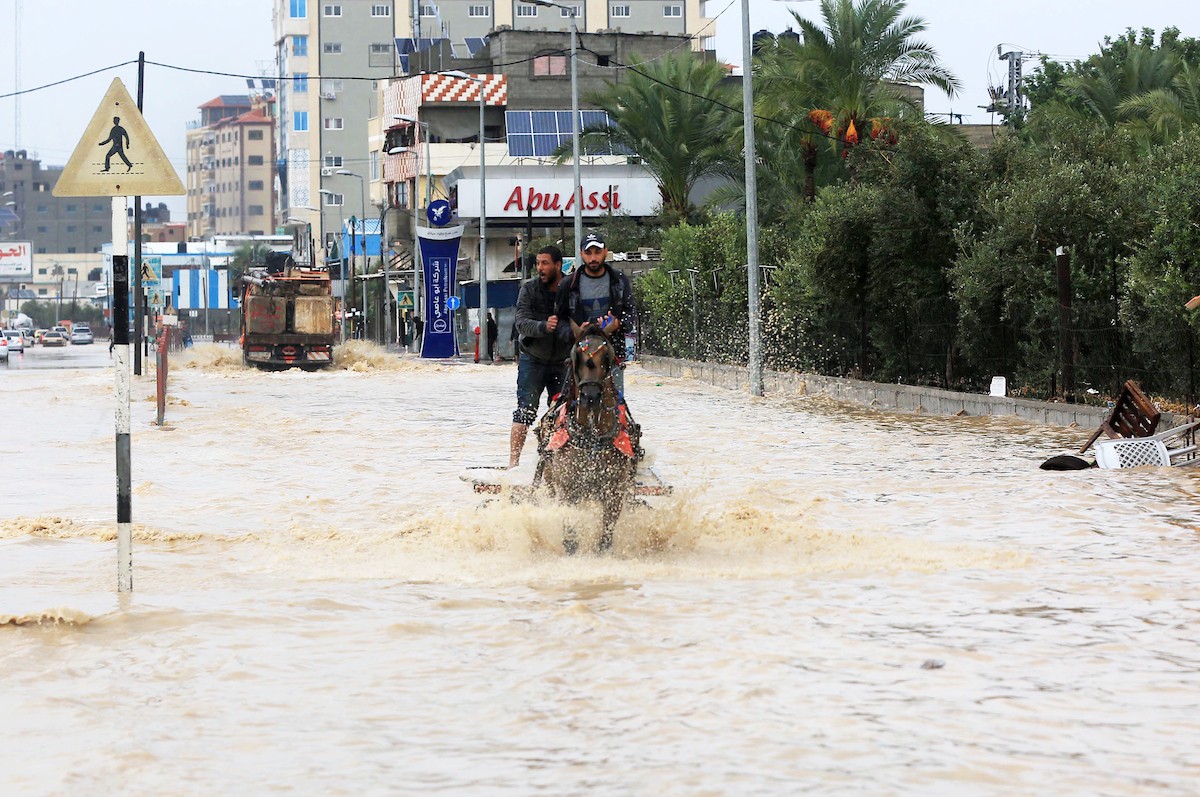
{"x":593,"y":359}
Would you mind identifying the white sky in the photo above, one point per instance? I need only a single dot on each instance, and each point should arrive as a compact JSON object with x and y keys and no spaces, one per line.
{"x":70,"y":37}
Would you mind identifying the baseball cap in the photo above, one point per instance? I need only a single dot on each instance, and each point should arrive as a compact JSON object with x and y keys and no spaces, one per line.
{"x":593,"y":239}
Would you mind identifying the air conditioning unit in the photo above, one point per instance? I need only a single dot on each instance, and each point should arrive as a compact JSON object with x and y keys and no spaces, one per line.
{"x":327,"y":171}
{"x":329,"y":95}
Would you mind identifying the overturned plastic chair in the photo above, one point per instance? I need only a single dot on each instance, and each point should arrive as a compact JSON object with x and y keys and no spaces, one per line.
{"x":1173,"y":447}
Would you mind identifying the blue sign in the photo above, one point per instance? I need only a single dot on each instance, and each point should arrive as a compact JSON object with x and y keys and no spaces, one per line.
{"x":439,"y":264}
{"x":453,"y":303}
{"x":438,"y":212}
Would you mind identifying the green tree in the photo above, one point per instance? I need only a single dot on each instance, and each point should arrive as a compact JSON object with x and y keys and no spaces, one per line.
{"x":674,"y":114}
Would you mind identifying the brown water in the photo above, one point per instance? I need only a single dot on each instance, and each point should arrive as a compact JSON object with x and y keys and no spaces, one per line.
{"x":321,"y":606}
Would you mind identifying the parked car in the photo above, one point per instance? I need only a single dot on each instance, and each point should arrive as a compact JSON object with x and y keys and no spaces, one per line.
{"x":53,"y":338}
{"x":16,"y":341}
{"x":82,"y":335}
{"x":4,"y":349}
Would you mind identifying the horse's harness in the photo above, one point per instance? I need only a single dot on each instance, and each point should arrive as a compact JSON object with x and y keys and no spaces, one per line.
{"x":589,"y":394}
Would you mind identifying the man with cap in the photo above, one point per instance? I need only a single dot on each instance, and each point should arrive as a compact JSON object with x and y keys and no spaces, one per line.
{"x":542,"y":351}
{"x":598,"y":292}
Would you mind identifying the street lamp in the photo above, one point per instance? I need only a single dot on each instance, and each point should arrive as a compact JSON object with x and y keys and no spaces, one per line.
{"x":482,"y":202}
{"x":573,"y":10}
{"x":341,"y":263}
{"x":362,"y":192}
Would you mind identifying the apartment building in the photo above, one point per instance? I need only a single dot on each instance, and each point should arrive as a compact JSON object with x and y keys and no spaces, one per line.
{"x":30,"y":212}
{"x":230,"y":167}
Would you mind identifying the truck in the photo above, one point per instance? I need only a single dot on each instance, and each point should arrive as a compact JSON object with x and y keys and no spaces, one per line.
{"x":287,"y":315}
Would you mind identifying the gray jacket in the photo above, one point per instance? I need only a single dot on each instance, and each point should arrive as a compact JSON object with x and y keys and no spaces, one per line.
{"x":535,"y":304}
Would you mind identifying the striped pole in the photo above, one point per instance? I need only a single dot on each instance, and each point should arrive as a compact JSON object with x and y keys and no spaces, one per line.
{"x":120,"y":305}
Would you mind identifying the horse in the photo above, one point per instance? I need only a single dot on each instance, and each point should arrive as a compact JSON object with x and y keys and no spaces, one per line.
{"x":588,"y":444}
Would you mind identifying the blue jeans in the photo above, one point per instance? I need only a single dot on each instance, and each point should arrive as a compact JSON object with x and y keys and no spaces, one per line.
{"x":534,"y":376}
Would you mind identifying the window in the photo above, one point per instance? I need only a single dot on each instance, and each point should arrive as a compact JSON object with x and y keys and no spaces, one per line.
{"x":672,"y":11}
{"x":619,"y":11}
{"x":549,"y":65}
{"x":254,"y":160}
{"x":70,"y":250}
{"x":97,"y":228}
{"x":428,"y":11}
{"x":255,"y":185}
{"x":566,"y":12}
{"x":331,"y":86}
{"x":254,"y":210}
{"x":381,"y":11}
{"x":300,"y":121}
{"x":374,"y":165}
{"x":334,"y":123}
{"x":300,"y":83}
{"x":526,"y":11}
{"x":381,"y":48}
{"x":331,"y":48}
{"x":479,"y":11}
{"x":332,"y":11}
{"x":41,"y":228}
{"x":298,"y":9}
{"x":71,"y":208}
{"x":333,"y":161}
{"x":41,"y":208}
{"x":299,"y":45}
{"x":334,"y":199}
{"x":71,"y":228}
{"x":254,"y":135}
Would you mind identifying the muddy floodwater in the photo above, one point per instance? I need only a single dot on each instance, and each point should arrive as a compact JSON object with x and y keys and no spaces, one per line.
{"x":834,"y":600}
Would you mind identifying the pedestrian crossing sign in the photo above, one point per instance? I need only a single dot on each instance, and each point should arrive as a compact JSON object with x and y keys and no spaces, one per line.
{"x":406,"y":302}
{"x":151,"y":270}
{"x":118,"y":154}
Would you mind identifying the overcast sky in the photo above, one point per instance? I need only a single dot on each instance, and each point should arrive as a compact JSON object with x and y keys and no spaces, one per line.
{"x":70,"y":37}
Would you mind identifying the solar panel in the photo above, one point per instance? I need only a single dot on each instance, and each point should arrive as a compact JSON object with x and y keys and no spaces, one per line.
{"x":550,"y":130}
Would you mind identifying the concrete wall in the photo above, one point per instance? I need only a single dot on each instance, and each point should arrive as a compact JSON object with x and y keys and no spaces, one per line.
{"x":895,"y":398}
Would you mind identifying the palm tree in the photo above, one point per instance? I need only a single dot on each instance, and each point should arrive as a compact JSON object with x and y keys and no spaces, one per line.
{"x":675,"y":115}
{"x":843,"y":79}
{"x":1168,"y":112}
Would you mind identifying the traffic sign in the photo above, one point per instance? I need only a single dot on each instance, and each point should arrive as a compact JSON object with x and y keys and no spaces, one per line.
{"x":406,"y":302}
{"x":151,"y":271}
{"x":118,"y":155}
{"x":453,"y":303}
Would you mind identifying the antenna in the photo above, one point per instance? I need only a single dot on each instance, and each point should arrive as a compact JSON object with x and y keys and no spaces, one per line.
{"x":17,"y":74}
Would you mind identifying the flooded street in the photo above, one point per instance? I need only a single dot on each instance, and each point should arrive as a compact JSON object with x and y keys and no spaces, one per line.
{"x":834,"y":600}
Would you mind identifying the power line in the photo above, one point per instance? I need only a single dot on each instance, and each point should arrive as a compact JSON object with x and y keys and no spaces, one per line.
{"x":66,"y":80}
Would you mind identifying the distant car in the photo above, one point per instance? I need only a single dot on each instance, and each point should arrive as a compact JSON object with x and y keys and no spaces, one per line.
{"x":4,"y":349}
{"x":38,"y":334}
{"x":82,"y":335}
{"x":53,"y":338}
{"x":66,"y":332}
{"x":28,"y":334}
{"x":16,"y":341}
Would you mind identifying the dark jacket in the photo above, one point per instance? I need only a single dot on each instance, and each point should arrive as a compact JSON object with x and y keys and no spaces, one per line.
{"x":535,"y":304}
{"x":620,"y":299}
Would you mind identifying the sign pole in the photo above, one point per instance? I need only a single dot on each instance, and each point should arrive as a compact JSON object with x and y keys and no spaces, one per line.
{"x":120,"y":320}
{"x":139,"y":297}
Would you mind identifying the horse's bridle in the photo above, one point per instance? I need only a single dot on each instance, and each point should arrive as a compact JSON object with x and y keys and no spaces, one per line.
{"x":589,"y":390}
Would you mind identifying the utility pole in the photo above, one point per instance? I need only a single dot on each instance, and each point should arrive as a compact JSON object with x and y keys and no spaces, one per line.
{"x":1066,"y":351}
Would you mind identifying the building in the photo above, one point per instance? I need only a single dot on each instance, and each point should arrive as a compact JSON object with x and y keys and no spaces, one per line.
{"x":429,"y":142}
{"x":30,"y":212}
{"x":230,"y":167}
{"x":333,"y":56}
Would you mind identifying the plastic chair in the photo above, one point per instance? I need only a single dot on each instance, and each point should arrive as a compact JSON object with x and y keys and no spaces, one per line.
{"x":1151,"y":450}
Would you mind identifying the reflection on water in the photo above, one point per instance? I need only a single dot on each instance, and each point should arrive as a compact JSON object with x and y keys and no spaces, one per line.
{"x":323,"y":607}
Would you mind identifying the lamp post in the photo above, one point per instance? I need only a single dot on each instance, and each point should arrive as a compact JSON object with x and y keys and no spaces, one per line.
{"x":573,"y":11}
{"x":341,"y":264}
{"x":482,"y":202}
{"x":362,"y":240}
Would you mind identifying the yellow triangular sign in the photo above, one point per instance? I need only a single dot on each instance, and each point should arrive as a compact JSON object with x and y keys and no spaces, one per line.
{"x":118,"y":155}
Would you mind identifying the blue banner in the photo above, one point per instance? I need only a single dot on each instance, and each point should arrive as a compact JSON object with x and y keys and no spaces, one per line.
{"x":439,"y":262}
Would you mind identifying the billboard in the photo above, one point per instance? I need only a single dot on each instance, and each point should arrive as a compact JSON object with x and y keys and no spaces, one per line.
{"x":16,"y":260}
